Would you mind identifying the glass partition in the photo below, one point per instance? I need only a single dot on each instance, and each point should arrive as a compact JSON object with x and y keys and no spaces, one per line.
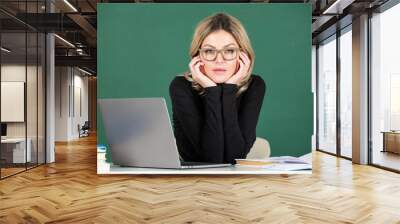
{"x":15,"y":151}
{"x":22,"y":77}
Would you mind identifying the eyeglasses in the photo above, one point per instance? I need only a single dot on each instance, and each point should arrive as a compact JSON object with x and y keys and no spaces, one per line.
{"x":210,"y":54}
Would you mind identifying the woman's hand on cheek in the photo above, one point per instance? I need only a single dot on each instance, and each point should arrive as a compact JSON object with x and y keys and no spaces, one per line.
{"x":244,"y":65}
{"x":197,"y":75}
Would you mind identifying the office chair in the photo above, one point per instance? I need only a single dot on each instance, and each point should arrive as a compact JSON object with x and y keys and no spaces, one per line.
{"x":84,"y":130}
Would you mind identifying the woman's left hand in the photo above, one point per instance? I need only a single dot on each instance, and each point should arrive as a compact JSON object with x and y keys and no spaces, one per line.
{"x":244,"y":65}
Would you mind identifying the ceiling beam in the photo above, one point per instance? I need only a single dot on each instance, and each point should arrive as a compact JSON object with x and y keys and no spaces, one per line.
{"x":86,"y":26}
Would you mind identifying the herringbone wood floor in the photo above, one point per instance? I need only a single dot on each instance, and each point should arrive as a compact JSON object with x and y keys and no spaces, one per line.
{"x":69,"y":191}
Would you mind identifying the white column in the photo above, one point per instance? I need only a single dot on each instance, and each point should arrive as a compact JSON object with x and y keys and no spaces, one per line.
{"x":314,"y":91}
{"x":50,"y":93}
{"x":360,"y":90}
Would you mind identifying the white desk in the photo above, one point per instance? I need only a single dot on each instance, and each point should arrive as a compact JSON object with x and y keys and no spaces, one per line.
{"x":105,"y":168}
{"x":19,"y":149}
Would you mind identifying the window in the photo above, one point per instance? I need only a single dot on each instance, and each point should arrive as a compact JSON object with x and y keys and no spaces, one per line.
{"x":385,"y":87}
{"x":346,"y":92}
{"x":327,"y":95}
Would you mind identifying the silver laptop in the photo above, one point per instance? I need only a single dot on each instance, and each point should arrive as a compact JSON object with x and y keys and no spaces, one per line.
{"x":140,"y":134}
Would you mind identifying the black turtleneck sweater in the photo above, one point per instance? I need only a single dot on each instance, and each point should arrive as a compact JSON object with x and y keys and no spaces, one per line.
{"x":218,"y":126}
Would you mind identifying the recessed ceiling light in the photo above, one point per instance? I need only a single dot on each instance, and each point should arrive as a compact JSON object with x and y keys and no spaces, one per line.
{"x":5,"y":50}
{"x":70,"y":5}
{"x":337,"y":7}
{"x":64,"y":40}
{"x":84,"y":71}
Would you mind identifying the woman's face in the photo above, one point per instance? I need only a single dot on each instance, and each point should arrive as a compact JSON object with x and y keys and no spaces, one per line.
{"x":225,"y":63}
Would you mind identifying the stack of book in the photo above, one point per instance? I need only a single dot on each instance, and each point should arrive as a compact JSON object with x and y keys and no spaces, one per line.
{"x":101,"y":152}
{"x":283,"y":163}
{"x":102,"y":165}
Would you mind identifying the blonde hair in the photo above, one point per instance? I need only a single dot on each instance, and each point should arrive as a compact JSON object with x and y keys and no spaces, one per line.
{"x":228,"y":23}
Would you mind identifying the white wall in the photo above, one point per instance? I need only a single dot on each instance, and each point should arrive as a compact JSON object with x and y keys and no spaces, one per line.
{"x":12,"y":73}
{"x":79,"y":117}
{"x":70,"y":83}
{"x":62,"y":81}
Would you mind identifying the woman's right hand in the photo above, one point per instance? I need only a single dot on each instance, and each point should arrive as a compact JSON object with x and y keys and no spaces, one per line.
{"x":197,"y":75}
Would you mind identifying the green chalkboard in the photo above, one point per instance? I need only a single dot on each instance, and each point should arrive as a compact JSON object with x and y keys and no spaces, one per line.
{"x":141,"y":47}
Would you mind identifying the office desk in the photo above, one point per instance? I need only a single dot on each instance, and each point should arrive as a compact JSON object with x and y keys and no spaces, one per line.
{"x":105,"y":168}
{"x":391,"y":141}
{"x":18,"y":150}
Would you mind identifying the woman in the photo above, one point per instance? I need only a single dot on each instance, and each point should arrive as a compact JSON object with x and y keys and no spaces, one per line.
{"x":217,"y":103}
